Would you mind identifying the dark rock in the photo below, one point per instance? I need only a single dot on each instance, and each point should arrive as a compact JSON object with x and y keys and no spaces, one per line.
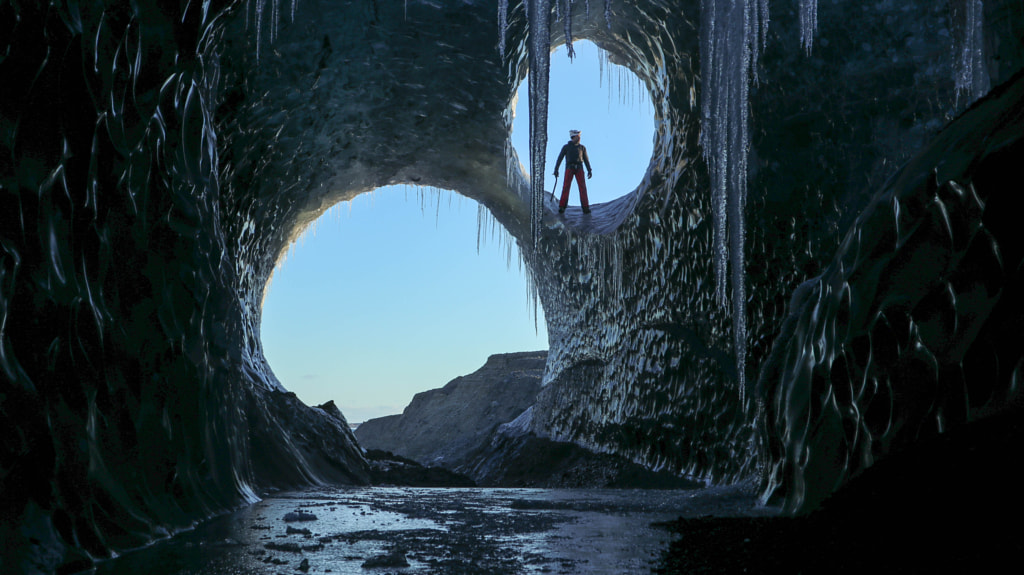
{"x":393,"y":559}
{"x":441,"y":426}
{"x":389,"y":469}
{"x":299,"y":516}
{"x":286,"y":429}
{"x":287,"y":546}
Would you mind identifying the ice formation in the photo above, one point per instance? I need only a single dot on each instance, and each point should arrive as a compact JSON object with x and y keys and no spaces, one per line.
{"x":502,"y":26}
{"x":808,"y":23}
{"x":140,"y":225}
{"x":971,"y":77}
{"x":538,"y":14}
{"x":567,"y":23}
{"x":733,"y":34}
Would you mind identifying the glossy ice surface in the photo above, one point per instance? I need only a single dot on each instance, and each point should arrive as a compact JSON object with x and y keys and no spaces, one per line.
{"x":438,"y":531}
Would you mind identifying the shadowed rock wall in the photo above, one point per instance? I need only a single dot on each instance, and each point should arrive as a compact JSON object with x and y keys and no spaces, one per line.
{"x":152,"y":171}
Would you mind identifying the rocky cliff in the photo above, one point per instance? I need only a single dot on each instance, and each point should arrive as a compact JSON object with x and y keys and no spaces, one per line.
{"x":442,"y":426}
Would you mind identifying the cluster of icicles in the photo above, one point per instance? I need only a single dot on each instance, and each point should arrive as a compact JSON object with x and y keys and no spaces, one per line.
{"x":733,"y":33}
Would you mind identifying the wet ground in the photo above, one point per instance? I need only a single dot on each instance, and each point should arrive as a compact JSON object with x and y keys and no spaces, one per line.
{"x":443,"y":531}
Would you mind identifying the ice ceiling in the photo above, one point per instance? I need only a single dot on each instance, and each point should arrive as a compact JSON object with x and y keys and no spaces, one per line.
{"x":156,"y":158}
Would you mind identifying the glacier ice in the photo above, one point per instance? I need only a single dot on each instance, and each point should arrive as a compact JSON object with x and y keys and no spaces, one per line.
{"x":538,"y":15}
{"x":808,"y":23}
{"x":733,"y":33}
{"x":971,"y":76}
{"x":133,"y":381}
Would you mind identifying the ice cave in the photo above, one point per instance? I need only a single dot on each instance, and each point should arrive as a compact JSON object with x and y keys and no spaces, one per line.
{"x":818,"y":269}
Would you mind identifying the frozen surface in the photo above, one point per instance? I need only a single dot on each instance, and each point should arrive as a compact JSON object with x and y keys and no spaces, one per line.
{"x":439,"y":531}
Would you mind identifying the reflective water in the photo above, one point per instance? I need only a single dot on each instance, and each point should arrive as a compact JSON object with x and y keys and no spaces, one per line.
{"x":437,"y":531}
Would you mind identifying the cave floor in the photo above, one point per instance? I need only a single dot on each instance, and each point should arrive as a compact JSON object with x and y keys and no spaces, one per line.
{"x":437,"y":530}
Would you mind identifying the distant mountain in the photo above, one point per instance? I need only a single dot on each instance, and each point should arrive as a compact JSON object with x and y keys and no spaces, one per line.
{"x":442,"y":426}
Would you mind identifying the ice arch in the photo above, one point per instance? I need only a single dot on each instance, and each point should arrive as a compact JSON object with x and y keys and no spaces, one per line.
{"x":140,"y":222}
{"x":613,"y":108}
{"x":432,"y":289}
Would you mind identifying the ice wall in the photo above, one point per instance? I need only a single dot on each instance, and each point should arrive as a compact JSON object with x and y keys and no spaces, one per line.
{"x":910,"y":329}
{"x":153,"y":171}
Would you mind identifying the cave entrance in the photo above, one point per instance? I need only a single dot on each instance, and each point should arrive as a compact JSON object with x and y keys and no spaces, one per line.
{"x":612,"y":108}
{"x":396,"y":292}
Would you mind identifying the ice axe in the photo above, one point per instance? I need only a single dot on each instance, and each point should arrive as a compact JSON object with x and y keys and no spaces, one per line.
{"x":554,"y":187}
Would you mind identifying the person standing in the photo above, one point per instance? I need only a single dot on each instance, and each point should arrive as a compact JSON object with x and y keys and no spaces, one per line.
{"x":575,"y":155}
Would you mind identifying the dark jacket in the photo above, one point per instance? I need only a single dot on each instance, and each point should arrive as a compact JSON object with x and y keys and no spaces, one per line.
{"x":575,"y":155}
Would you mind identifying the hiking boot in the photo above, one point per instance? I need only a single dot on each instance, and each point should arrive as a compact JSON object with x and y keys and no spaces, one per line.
{"x":586,"y":210}
{"x":561,"y":209}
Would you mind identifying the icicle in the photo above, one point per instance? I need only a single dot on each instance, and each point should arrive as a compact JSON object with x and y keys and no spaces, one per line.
{"x":275,"y":20}
{"x":502,"y":26}
{"x":733,"y":34}
{"x":540,"y":61}
{"x":258,"y":9}
{"x":972,"y":79}
{"x":567,"y":15}
{"x":274,"y":14}
{"x":808,"y":23}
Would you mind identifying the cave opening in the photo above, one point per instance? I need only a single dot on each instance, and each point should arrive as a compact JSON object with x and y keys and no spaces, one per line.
{"x":393,"y":293}
{"x":612,"y":108}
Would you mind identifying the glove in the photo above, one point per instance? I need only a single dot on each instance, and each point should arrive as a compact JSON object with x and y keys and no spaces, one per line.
{"x":590,"y":175}
{"x":556,"y":172}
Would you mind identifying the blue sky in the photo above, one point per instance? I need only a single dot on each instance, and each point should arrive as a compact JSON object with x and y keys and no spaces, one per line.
{"x":387,"y":296}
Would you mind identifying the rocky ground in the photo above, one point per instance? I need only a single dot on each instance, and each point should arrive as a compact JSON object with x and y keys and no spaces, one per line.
{"x":454,"y":531}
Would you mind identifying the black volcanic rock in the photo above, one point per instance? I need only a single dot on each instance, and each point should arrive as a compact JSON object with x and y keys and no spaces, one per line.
{"x":386,"y":468}
{"x":441,"y":426}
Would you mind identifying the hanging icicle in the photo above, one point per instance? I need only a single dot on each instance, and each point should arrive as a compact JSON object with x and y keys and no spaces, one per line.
{"x":733,"y":33}
{"x":259,"y":9}
{"x":567,"y":16}
{"x":502,"y":26}
{"x":972,"y":79}
{"x":808,"y":23}
{"x":538,"y":14}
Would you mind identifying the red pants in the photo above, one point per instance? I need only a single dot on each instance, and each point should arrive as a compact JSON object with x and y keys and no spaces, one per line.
{"x":581,"y":183}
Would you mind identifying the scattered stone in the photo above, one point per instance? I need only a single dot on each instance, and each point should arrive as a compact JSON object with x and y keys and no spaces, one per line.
{"x":304,"y":566}
{"x":393,"y":559}
{"x":296,"y":531}
{"x":317,"y":547}
{"x":299,"y":516}
{"x":289,"y":546}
